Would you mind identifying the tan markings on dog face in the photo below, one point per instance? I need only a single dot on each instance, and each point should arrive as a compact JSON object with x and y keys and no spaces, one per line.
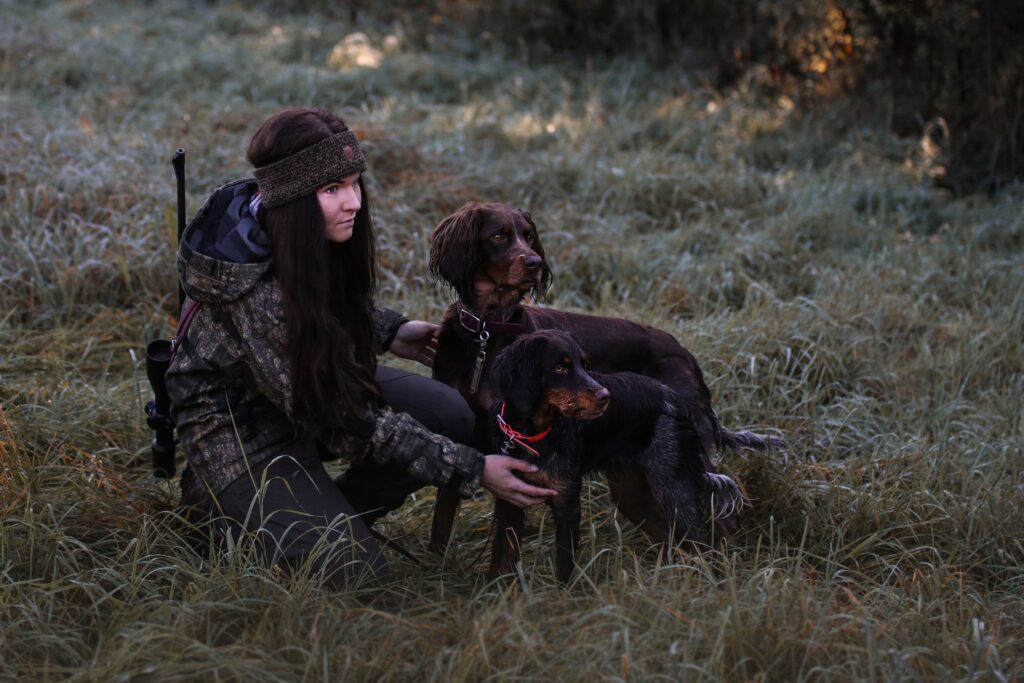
{"x":562,"y":400}
{"x":589,"y":407}
{"x":581,"y":404}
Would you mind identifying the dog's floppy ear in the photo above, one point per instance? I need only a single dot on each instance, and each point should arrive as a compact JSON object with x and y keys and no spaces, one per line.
{"x":545,"y":272}
{"x":453,"y":249}
{"x":516,"y":375}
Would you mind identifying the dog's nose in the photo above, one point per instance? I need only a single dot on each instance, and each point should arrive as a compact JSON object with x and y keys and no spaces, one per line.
{"x":532,"y":262}
{"x":602,"y":396}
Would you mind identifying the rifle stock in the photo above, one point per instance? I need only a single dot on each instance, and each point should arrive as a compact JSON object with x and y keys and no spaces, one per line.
{"x":158,"y":411}
{"x":158,"y":360}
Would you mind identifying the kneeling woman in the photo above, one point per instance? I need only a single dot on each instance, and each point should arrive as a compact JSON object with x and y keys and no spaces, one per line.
{"x":277,"y":371}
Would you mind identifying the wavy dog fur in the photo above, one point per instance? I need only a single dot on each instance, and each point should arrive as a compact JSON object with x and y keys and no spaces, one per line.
{"x":629,"y":427}
{"x":491,"y":257}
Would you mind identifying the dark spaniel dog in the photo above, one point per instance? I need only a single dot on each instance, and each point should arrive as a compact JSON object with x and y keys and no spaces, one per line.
{"x":550,"y":410}
{"x":490,"y":255}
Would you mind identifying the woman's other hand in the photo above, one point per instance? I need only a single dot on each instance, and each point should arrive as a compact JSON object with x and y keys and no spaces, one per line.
{"x":416,"y":340}
{"x":499,"y":478}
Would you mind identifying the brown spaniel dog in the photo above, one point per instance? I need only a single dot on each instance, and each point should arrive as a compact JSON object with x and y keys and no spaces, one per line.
{"x":491,"y":257}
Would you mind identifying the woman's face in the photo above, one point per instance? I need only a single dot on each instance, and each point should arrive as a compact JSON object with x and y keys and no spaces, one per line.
{"x":339,"y":203}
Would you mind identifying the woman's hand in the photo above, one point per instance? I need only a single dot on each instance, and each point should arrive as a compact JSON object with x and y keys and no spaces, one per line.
{"x":499,"y":479}
{"x":416,"y":340}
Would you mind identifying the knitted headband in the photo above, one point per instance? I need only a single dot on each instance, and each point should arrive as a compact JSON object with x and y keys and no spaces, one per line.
{"x":309,"y":169}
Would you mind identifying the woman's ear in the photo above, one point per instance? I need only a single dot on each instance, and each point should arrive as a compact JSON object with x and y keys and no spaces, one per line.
{"x":545,"y":271}
{"x":453,"y":250}
{"x":516,"y":375}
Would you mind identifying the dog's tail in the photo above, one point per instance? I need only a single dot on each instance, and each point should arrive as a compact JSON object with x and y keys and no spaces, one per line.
{"x":752,"y":440}
{"x":727,"y":499}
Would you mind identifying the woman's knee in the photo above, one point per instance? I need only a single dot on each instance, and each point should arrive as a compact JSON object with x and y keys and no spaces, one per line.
{"x":303,"y":525}
{"x":436,"y":406}
{"x":451,"y":415}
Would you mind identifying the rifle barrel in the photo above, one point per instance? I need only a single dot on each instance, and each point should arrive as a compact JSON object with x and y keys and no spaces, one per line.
{"x":178,"y":161}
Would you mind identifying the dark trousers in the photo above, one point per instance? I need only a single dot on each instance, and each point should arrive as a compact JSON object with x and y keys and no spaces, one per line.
{"x":304,"y":521}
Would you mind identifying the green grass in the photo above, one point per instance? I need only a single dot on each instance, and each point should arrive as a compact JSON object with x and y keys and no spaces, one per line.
{"x":828,"y":291}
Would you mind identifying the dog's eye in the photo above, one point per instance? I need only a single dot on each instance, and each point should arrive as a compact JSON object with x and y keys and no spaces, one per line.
{"x":530,"y":237}
{"x":498,"y":237}
{"x":561,"y":369}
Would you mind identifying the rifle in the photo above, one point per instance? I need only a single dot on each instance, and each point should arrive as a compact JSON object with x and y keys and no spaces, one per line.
{"x":158,"y":360}
{"x":178,"y":162}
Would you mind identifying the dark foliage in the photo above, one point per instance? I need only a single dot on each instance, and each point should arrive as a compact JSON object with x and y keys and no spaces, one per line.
{"x":951,"y":70}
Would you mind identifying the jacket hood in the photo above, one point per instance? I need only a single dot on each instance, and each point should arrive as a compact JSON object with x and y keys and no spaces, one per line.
{"x":224,"y":252}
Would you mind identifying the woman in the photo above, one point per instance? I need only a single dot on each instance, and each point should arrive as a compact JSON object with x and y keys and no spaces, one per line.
{"x":277,"y":369}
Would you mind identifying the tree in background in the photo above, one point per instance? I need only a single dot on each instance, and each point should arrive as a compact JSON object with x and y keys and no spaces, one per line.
{"x":951,"y":70}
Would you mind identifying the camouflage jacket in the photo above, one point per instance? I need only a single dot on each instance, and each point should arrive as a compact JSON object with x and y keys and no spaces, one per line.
{"x":230,"y":385}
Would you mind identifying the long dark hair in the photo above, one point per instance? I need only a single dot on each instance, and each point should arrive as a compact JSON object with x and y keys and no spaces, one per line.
{"x":327,"y":287}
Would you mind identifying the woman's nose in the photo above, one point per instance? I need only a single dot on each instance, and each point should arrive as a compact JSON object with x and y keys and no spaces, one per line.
{"x":350,"y":200}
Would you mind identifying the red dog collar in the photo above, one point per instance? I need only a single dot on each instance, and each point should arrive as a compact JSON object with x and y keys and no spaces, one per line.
{"x":519,"y":438}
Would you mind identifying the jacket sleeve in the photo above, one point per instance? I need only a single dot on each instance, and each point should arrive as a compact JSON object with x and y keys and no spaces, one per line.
{"x":397,"y":438}
{"x":386,"y":324}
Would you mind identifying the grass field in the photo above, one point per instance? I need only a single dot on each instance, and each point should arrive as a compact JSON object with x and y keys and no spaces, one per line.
{"x":798,"y":251}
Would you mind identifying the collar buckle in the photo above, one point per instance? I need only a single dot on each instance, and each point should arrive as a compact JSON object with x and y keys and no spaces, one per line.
{"x":479,"y":326}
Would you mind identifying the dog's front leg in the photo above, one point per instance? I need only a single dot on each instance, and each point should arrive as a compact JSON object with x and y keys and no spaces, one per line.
{"x":446,"y":507}
{"x":566,"y":510}
{"x":509,"y":521}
